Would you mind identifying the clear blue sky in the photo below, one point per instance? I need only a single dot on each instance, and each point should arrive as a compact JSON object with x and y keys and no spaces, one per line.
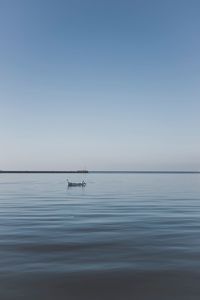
{"x":100,"y":84}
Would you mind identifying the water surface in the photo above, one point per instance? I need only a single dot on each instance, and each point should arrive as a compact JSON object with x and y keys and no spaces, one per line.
{"x":123,"y":236}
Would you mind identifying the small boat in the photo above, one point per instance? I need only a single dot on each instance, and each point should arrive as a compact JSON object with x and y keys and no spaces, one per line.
{"x":83,"y":183}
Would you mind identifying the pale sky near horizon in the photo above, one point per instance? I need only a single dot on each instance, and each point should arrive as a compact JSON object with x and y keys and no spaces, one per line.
{"x":100,"y":84}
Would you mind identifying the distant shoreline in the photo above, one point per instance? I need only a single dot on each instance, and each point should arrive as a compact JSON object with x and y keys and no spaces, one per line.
{"x":97,"y":172}
{"x":32,"y":172}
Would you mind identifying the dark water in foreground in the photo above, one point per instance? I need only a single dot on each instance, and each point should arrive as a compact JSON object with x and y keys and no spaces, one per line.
{"x":123,"y":236}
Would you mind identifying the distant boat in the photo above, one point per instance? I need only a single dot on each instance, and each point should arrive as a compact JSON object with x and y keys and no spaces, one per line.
{"x":83,"y":183}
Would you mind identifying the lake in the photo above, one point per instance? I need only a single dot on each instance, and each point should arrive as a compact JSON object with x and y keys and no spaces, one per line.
{"x":123,"y":236}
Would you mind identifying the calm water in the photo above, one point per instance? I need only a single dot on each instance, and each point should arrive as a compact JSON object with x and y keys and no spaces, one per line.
{"x":123,"y":236}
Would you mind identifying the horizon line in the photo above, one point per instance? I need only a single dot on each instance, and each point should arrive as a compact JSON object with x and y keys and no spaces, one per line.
{"x":100,"y":171}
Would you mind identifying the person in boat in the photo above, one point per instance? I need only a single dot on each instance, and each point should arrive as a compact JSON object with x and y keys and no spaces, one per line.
{"x":83,"y":183}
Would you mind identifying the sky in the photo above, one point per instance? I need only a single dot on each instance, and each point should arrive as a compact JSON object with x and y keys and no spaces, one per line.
{"x":99,"y":85}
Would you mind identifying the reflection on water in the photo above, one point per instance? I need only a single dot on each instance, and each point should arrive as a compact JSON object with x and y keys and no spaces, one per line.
{"x":123,"y":236}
